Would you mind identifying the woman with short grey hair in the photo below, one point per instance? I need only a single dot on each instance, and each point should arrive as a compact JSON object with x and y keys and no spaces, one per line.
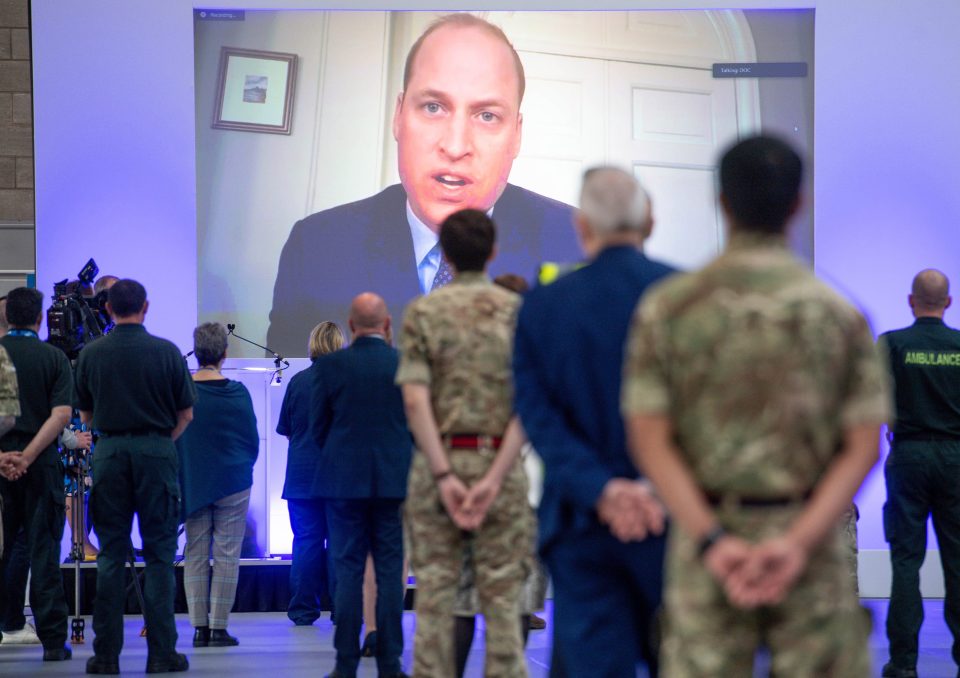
{"x":217,"y":454}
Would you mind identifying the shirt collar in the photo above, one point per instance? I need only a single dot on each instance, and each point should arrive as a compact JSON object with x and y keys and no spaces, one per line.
{"x":471,"y":278}
{"x":424,"y":240}
{"x":748,"y":240}
{"x":129,"y":327}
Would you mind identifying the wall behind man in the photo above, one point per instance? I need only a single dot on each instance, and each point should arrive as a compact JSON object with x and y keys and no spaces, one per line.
{"x":16,"y":146}
{"x":115,"y":148}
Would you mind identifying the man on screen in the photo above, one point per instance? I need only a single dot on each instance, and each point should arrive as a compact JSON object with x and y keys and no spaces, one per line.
{"x":458,"y":128}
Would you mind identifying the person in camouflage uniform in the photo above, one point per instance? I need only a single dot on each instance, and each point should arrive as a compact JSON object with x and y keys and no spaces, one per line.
{"x":9,"y":398}
{"x":465,"y":485}
{"x":848,"y":524}
{"x":9,"y":408}
{"x":754,"y":397}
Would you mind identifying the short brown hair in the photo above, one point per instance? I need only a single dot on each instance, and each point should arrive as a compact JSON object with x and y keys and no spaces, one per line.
{"x":465,"y":20}
{"x":324,"y":338}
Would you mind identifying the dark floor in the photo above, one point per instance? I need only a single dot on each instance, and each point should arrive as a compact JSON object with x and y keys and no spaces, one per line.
{"x":271,"y":646}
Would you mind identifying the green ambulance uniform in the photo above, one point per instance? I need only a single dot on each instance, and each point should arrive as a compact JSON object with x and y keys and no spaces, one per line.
{"x":458,"y":340}
{"x":761,"y":368}
{"x":135,"y":384}
{"x":9,"y":395}
{"x":35,"y":502}
{"x":923,"y":478}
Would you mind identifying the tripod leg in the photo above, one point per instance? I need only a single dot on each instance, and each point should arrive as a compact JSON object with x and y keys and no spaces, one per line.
{"x":77,"y":524}
{"x":138,"y":590}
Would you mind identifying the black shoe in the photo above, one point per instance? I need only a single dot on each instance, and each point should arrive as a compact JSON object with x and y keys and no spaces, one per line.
{"x":201,"y":636}
{"x":369,"y":648}
{"x":103,"y":666}
{"x":891,"y":671}
{"x":170,"y":664}
{"x":335,"y":674}
{"x":397,"y":675}
{"x":57,"y":654}
{"x":220,"y":638}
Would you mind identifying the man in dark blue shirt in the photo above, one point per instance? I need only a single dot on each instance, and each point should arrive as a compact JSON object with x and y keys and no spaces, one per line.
{"x":595,"y":511}
{"x":921,"y":468}
{"x":365,"y":448}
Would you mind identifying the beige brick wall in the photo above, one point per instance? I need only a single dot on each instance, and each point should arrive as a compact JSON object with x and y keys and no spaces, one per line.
{"x":16,"y":145}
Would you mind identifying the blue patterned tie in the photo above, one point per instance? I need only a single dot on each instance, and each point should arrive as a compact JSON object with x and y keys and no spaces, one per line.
{"x":444,"y":274}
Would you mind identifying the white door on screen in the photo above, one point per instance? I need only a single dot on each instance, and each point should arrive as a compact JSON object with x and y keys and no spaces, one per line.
{"x":666,"y":123}
{"x":670,"y":124}
{"x":564,"y":124}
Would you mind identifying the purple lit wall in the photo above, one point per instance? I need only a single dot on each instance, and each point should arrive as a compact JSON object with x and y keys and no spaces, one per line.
{"x":115,"y":176}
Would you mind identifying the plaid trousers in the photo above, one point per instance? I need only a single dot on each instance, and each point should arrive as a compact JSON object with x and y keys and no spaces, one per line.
{"x":210,"y":599}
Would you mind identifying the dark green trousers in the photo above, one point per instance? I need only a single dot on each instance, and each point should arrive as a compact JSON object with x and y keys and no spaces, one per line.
{"x":36,"y":504}
{"x":135,"y":474}
{"x":923,"y":479}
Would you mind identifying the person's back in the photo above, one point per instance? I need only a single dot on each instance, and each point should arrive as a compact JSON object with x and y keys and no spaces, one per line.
{"x":575,"y":330}
{"x":358,"y":422}
{"x":568,"y":362}
{"x":753,"y":396}
{"x":311,"y":568}
{"x":137,"y":393}
{"x":757,"y":344}
{"x":468,"y":329}
{"x":456,"y":375}
{"x":220,"y":447}
{"x":924,"y":360}
{"x":365,"y":448}
{"x":927,"y":389}
{"x":143,"y":399}
{"x":31,"y":489}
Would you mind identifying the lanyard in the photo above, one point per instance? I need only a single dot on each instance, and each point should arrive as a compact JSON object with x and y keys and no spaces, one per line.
{"x":22,"y":333}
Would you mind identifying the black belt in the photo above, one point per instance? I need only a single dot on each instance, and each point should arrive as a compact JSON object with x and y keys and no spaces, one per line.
{"x":924,"y":437}
{"x":734,"y":499}
{"x":134,"y":433}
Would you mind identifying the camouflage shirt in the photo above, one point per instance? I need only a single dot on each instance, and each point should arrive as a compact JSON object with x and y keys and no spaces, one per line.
{"x":759,"y":365}
{"x":9,"y":395}
{"x":459,"y":341}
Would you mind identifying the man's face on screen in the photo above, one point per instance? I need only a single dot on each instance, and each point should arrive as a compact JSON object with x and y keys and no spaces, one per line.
{"x":458,"y":123}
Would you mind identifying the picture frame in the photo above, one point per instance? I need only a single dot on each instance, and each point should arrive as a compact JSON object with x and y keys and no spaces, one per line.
{"x":255,"y":91}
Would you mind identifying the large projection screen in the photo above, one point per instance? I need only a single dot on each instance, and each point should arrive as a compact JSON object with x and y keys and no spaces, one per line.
{"x":291,"y":226}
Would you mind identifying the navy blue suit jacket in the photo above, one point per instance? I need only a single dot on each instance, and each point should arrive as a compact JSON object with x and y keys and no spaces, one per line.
{"x":333,"y":255}
{"x":568,"y":359}
{"x":359,"y":423}
{"x":303,"y":455}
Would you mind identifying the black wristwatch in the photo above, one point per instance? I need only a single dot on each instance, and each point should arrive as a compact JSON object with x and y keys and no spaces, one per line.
{"x":709,"y":539}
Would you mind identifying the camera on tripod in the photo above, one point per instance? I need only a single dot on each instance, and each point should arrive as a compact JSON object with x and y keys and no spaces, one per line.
{"x":75,"y":319}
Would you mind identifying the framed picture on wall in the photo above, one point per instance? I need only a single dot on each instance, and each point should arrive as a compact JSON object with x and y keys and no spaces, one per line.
{"x":255,"y":91}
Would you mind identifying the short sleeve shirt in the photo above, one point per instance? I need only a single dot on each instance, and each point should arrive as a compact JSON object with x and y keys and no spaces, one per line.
{"x":9,"y":398}
{"x":133,"y":381}
{"x":458,"y":340}
{"x":760,"y":366}
{"x":45,"y":381}
{"x":924,"y":361}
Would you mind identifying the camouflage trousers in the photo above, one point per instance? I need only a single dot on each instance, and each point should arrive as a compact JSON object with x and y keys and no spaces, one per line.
{"x":501,"y":550}
{"x":819,"y":630}
{"x":848,"y":527}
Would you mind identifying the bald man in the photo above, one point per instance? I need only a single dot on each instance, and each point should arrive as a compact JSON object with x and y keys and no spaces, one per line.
{"x":922,"y":468}
{"x":360,"y":427}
